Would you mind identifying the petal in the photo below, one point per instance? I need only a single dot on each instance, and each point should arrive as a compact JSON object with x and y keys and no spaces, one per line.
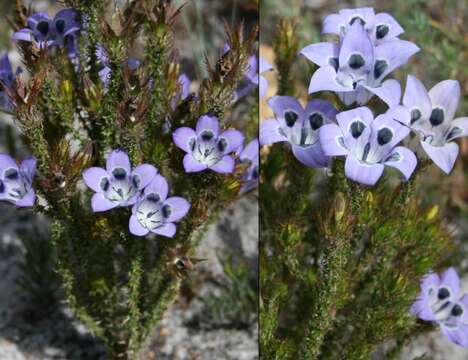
{"x":421,"y":309}
{"x":118,"y":159}
{"x":325,"y":79}
{"x":393,"y":54}
{"x":146,"y":173}
{"x":23,"y":35}
{"x":28,"y":168}
{"x":311,"y":156}
{"x":333,"y":24}
{"x":70,"y":17}
{"x":167,"y":230}
{"x":357,"y":42}
{"x":443,"y":156}
{"x":458,"y":128}
{"x":250,"y":152}
{"x":446,"y":95}
{"x":450,"y":278}
{"x":158,"y":186}
{"x":385,"y":20}
{"x":93,"y":178}
{"x":431,"y":280}
{"x":322,"y":54}
{"x":100,"y":203}
{"x":263,"y":87}
{"x":207,"y":122}
{"x":362,"y":173}
{"x":389,"y":92}
{"x":330,"y":142}
{"x":270,"y":132}
{"x":234,"y":139}
{"x":28,"y":199}
{"x":402,"y":159}
{"x":264,"y":66}
{"x":136,"y":228}
{"x":322,"y":106}
{"x":7,"y":162}
{"x":282,"y":104}
{"x":192,"y":165}
{"x":224,"y":166}
{"x":179,"y":208}
{"x":416,"y":97}
{"x":385,"y":121}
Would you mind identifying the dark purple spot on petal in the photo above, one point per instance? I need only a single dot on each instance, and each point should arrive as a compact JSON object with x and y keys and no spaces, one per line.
{"x":443,"y":293}
{"x":11,"y":174}
{"x":2,"y":187}
{"x":207,"y":135}
{"x":365,"y":153}
{"x":379,"y":68}
{"x":136,"y":181}
{"x":382,"y":31}
{"x":454,"y":132}
{"x":166,"y":211}
{"x":192,"y":143}
{"x":384,"y":136}
{"x":457,"y":310}
{"x":334,"y":62}
{"x":315,"y":120}
{"x":255,"y":173}
{"x":394,"y":157}
{"x":43,"y":27}
{"x":119,"y":173}
{"x":290,"y":117}
{"x":60,"y":26}
{"x":356,"y":61}
{"x":437,"y":117}
{"x":357,"y":127}
{"x":222,"y":144}
{"x":357,"y":18}
{"x":415,"y":115}
{"x":104,"y":184}
{"x":153,"y":197}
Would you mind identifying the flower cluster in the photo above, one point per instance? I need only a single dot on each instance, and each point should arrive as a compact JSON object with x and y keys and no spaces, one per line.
{"x":45,"y":32}
{"x":118,"y":185}
{"x":354,"y":69}
{"x":440,"y":301}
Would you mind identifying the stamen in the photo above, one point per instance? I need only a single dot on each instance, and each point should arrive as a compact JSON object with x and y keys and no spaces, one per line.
{"x":365,"y":153}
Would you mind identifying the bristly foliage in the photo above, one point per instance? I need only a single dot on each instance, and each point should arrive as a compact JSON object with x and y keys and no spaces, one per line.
{"x":119,"y":285}
{"x":340,"y":264}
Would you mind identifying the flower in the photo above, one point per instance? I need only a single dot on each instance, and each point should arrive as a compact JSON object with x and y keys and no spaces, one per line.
{"x":298,"y":126}
{"x":262,"y":82}
{"x":440,"y":301}
{"x":435,"y":293}
{"x":355,"y":69}
{"x":430,"y":114}
{"x":380,"y":27}
{"x":155,"y":212}
{"x":16,"y":181}
{"x":206,"y":147}
{"x":45,"y":32}
{"x":7,"y":80}
{"x":249,"y":155}
{"x":368,"y":144}
{"x":117,"y":185}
